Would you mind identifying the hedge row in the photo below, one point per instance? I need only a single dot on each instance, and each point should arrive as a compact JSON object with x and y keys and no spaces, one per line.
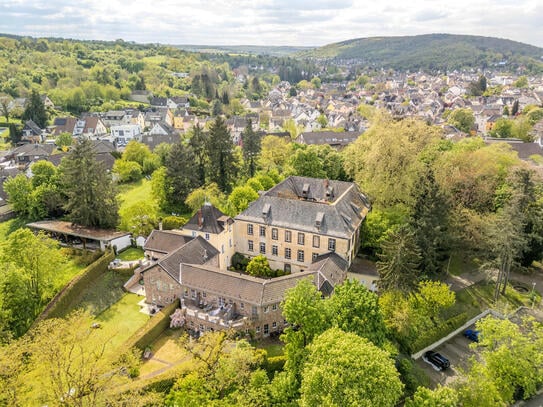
{"x":439,"y":332}
{"x":148,"y":333}
{"x":62,"y":302}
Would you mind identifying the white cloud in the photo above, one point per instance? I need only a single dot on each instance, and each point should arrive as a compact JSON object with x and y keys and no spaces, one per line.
{"x":269,"y":22}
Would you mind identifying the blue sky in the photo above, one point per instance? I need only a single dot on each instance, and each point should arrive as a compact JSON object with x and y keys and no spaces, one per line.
{"x":269,"y":22}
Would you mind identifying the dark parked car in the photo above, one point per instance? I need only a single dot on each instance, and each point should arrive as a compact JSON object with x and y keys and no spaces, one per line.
{"x":437,"y":360}
{"x":472,"y":335}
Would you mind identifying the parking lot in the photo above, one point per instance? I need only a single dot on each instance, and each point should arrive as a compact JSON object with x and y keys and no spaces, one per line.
{"x":458,"y":351}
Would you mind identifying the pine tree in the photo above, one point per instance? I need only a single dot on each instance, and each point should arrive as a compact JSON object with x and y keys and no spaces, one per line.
{"x":220,"y":155}
{"x":429,"y":221}
{"x":35,"y":111}
{"x":198,"y":142}
{"x":399,"y":260}
{"x":91,"y":197}
{"x":515,"y":108}
{"x":251,"y":147}
{"x":181,"y":177}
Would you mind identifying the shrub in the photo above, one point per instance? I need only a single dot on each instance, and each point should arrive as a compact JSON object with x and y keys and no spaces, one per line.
{"x":239,"y":262}
{"x":274,"y":364}
{"x":173,"y":222}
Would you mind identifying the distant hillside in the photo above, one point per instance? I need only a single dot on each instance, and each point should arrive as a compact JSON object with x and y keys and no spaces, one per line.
{"x":277,"y":51}
{"x":433,"y":52}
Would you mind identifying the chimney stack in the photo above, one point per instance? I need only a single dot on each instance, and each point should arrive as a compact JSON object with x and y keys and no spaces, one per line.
{"x":200,"y":218}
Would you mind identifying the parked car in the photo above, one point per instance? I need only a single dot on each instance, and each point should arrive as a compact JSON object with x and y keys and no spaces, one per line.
{"x":472,"y":335}
{"x":437,"y":360}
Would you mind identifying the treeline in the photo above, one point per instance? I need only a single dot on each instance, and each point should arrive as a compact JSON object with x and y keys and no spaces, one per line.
{"x":82,"y":76}
{"x":435,"y":52}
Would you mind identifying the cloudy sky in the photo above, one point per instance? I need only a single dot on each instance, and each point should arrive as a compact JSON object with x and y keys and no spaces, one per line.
{"x":269,"y":22}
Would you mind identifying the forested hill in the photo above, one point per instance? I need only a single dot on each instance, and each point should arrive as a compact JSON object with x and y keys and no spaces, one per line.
{"x":434,"y":51}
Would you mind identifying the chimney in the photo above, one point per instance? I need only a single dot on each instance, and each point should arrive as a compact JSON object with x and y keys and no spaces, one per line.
{"x":200,"y":219}
{"x":205,"y":255}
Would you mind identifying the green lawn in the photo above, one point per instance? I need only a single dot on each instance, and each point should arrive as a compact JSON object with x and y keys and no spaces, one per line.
{"x":134,"y":192}
{"x":274,"y":348}
{"x":480,"y":297}
{"x":122,"y":319}
{"x":131,"y":254}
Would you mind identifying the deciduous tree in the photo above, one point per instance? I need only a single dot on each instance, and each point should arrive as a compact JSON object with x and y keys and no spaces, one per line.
{"x":353,"y":308}
{"x":353,"y":371}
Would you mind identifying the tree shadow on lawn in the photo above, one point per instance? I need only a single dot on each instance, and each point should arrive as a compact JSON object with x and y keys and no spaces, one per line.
{"x":103,"y":293}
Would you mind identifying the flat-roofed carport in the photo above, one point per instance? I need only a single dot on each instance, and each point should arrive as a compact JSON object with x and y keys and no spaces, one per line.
{"x":75,"y":235}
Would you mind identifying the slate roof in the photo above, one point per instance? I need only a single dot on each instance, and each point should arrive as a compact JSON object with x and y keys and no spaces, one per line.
{"x":196,"y":251}
{"x":165,"y":241}
{"x":213,"y":220}
{"x":261,"y":291}
{"x":341,"y":212}
{"x":153,"y":140}
{"x":524,"y":150}
{"x":331,"y":266}
{"x":29,"y":124}
{"x":42,"y":150}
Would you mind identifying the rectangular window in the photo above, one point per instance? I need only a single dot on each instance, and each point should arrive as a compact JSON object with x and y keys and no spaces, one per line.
{"x":287,"y":253}
{"x":204,"y":294}
{"x":241,"y":305}
{"x":262,"y":248}
{"x":193,"y":294}
{"x":331,"y":244}
{"x":301,"y":239}
{"x":300,"y":256}
{"x":314,"y":256}
{"x":249,"y":229}
{"x":274,"y":307}
{"x":207,"y":236}
{"x":263,"y":231}
{"x":221,"y":301}
{"x":222,"y":249}
{"x":254,"y":311}
{"x":186,"y":292}
{"x":288,"y":236}
{"x":316,"y":241}
{"x":274,"y":250}
{"x":266,"y":309}
{"x":230,"y":242}
{"x":266,"y":329}
{"x":274,"y":325}
{"x":193,"y":233}
{"x":275,"y":234}
{"x":287,"y":268}
{"x":257,"y":329}
{"x":250,"y":245}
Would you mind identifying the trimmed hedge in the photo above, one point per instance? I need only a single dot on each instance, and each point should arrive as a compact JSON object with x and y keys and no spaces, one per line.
{"x":439,"y":332}
{"x":148,"y":333}
{"x":62,"y":302}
